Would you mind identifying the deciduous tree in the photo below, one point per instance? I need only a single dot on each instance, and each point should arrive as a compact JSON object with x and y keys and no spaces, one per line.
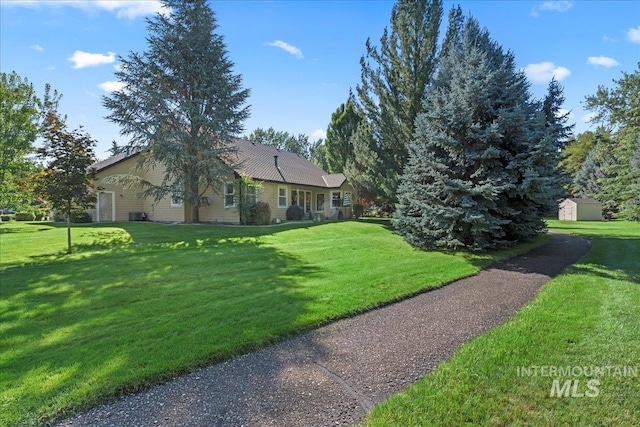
{"x":68,"y":179}
{"x":18,"y":129}
{"x":618,"y":108}
{"x":282,"y":140}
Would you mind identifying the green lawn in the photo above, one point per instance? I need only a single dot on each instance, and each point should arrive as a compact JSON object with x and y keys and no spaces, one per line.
{"x":138,"y":303}
{"x":588,"y":317}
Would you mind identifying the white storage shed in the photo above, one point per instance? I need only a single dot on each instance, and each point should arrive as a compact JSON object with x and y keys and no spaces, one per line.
{"x":583,"y":209}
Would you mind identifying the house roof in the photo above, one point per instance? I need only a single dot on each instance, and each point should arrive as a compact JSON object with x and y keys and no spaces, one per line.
{"x":582,"y":201}
{"x":114,"y":160}
{"x":259,"y":162}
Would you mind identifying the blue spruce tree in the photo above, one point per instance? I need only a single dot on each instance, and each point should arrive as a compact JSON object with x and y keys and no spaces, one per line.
{"x":475,"y":177}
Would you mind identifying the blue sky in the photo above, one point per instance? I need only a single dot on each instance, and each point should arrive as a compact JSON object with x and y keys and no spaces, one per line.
{"x":300,"y":58}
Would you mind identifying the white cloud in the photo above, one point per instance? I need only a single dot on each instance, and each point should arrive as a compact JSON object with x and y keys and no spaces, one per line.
{"x":608,"y":39}
{"x":82,"y":59}
{"x":553,"y":6}
{"x":318,"y":133}
{"x":37,"y":47}
{"x":130,"y":9}
{"x":112,"y":86}
{"x":287,"y":47}
{"x":588,"y":117}
{"x":633,"y":35}
{"x":604,"y":61}
{"x":544,"y":71}
{"x":564,"y":112}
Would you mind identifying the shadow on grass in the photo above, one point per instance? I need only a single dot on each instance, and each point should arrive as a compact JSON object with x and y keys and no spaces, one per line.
{"x":615,"y":258}
{"x":79,"y":331}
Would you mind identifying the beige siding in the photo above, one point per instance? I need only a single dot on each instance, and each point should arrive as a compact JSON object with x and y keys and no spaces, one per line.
{"x":216,"y":211}
{"x":589,"y":212}
{"x":125,"y":199}
{"x":161,"y":211}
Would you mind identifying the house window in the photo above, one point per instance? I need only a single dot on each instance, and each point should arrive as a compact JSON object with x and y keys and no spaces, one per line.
{"x":251,"y":195}
{"x":320,"y":202}
{"x":229,"y":194}
{"x":307,"y":201}
{"x":176,"y":197}
{"x":336,"y":199}
{"x":282,"y":197}
{"x":294,"y":197}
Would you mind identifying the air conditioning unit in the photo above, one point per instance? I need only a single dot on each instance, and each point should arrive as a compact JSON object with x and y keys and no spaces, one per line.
{"x":137,"y":216}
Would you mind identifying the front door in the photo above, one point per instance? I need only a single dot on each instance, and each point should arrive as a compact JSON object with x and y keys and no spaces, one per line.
{"x":106,"y":206}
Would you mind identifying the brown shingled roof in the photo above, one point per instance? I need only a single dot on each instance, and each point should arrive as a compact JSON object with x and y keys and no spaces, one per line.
{"x":259,"y":162}
{"x":111,"y":161}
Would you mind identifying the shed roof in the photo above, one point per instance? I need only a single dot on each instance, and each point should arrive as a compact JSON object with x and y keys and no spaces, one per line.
{"x":583,"y":201}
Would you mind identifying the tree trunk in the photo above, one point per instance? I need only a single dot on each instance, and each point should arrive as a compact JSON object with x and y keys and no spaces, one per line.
{"x":69,"y":227}
{"x":195,"y":214}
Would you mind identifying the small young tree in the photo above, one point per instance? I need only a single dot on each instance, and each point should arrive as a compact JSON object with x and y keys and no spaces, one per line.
{"x":68,"y":179}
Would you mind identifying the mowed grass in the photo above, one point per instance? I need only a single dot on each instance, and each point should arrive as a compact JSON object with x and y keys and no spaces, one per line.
{"x":138,"y":303}
{"x":587,"y":317}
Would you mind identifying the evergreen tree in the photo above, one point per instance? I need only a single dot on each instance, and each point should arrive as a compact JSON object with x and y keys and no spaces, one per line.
{"x":476,"y":177}
{"x":394,"y":78}
{"x":181,"y":104}
{"x":339,"y":150}
{"x":557,"y":132}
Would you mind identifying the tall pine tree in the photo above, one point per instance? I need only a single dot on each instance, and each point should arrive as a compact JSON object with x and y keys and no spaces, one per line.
{"x":474,"y":178}
{"x":181,"y":104}
{"x":339,"y":149}
{"x":394,"y":78}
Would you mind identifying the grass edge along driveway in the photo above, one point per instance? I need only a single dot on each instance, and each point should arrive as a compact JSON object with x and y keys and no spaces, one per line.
{"x":585,"y":322}
{"x":139,"y":303}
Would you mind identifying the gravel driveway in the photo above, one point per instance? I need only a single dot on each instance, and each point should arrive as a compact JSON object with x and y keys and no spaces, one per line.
{"x":334,"y":375}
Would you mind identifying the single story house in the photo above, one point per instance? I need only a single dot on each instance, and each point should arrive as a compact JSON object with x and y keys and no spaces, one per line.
{"x":580,"y":209}
{"x":286,"y":179}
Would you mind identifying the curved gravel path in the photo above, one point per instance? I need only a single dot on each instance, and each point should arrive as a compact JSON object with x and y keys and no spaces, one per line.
{"x":334,"y":375}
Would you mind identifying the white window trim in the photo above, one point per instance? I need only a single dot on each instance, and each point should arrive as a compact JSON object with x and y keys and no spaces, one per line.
{"x":286,"y":196}
{"x":224,"y":201}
